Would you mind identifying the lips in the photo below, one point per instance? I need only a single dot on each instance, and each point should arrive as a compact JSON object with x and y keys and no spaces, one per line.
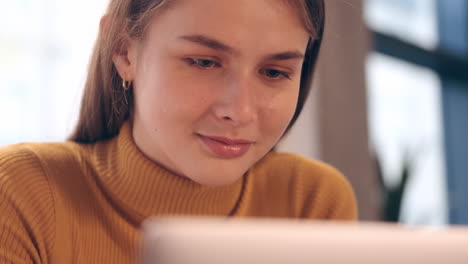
{"x":225,"y":147}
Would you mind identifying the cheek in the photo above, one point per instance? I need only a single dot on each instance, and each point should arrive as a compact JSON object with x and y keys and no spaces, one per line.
{"x":277,"y":113}
{"x":163,"y":93}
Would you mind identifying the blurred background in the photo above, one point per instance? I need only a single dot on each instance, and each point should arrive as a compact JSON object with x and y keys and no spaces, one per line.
{"x":389,"y":106}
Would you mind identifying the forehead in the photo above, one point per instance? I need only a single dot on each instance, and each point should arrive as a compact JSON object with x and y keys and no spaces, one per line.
{"x":240,"y":22}
{"x":280,"y":6}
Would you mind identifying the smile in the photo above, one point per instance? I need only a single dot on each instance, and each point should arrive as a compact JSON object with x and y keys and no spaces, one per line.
{"x":224,"y":147}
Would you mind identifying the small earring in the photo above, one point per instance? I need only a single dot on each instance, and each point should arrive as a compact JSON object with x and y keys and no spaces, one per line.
{"x":126,"y":85}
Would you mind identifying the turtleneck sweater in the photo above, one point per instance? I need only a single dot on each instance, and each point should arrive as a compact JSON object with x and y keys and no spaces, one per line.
{"x":84,"y":203}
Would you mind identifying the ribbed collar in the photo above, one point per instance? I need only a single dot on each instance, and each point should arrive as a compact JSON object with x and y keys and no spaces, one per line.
{"x":143,"y":188}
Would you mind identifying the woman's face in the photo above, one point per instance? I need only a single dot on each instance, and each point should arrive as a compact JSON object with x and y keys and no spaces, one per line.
{"x":216,"y":84}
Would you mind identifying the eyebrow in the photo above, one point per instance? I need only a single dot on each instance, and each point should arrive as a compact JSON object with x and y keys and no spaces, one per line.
{"x":218,"y":45}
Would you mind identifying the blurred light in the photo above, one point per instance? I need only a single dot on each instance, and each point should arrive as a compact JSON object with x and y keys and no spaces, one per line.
{"x":405,"y":118}
{"x":414,"y":21}
{"x":44,"y":55}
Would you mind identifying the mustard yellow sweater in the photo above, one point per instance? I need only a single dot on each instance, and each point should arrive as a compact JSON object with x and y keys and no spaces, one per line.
{"x":77,"y":203}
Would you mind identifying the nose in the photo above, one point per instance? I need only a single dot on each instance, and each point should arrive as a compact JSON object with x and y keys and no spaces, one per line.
{"x":236,"y":100}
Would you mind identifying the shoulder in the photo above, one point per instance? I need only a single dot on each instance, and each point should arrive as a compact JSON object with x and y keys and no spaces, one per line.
{"x":321,"y":190}
{"x":18,"y":162}
{"x":22,"y":166}
{"x":26,"y":202}
{"x":28,"y":152}
{"x":37,"y":157}
{"x":27,"y":170}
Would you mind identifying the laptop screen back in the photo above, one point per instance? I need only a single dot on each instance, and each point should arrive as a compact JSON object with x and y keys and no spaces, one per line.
{"x":215,"y":241}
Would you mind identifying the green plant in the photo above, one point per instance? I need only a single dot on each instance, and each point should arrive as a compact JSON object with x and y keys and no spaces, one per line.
{"x":392,"y":196}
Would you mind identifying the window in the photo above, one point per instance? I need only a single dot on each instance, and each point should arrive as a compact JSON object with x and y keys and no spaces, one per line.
{"x":405,"y":122}
{"x":44,"y":53}
{"x":418,"y":102}
{"x":414,"y":21}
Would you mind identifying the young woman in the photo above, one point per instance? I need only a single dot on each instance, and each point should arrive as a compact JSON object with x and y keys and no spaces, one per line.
{"x":184,"y":102}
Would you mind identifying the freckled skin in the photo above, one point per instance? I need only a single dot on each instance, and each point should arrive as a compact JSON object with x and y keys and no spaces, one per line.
{"x":176,"y":99}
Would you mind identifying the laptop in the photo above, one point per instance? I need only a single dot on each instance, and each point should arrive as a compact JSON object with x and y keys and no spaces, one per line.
{"x":258,"y":241}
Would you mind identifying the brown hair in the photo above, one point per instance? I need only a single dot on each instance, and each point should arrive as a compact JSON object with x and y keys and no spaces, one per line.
{"x":105,"y":105}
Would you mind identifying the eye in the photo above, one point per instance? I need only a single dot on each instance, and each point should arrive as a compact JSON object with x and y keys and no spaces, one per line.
{"x":203,"y":63}
{"x":274,"y":74}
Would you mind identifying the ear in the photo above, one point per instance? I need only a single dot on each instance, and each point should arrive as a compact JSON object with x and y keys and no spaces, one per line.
{"x":124,"y":56}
